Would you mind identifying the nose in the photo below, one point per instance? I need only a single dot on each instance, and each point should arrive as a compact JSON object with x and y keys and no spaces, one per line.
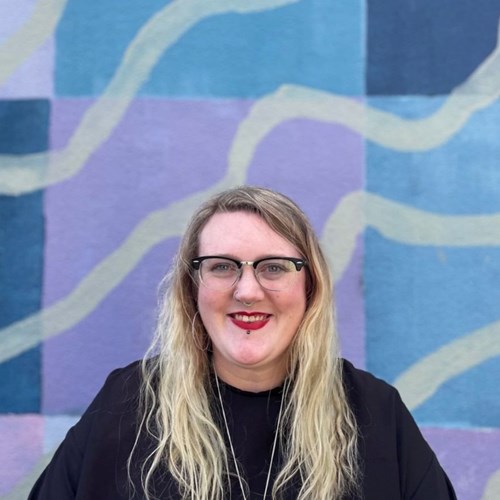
{"x":247,"y":288}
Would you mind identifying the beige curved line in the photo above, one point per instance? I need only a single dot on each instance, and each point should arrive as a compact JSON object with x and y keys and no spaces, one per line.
{"x":422,"y":380}
{"x":412,"y":226}
{"x":23,"y":174}
{"x":388,"y":130}
{"x":399,"y":222}
{"x":341,"y":231}
{"x":492,"y":491}
{"x":35,"y":31}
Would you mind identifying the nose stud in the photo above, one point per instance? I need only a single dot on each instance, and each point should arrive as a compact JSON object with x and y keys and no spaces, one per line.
{"x":246,"y":304}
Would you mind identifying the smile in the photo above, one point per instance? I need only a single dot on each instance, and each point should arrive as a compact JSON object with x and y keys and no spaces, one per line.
{"x":247,"y":321}
{"x":250,"y":319}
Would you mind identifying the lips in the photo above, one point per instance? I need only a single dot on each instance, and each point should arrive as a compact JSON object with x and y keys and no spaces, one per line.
{"x":250,"y":321}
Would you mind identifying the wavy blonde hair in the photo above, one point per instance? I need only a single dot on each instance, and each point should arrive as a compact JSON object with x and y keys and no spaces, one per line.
{"x":321,"y":444}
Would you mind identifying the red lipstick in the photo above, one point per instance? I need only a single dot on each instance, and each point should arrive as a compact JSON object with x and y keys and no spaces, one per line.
{"x":256,"y":320}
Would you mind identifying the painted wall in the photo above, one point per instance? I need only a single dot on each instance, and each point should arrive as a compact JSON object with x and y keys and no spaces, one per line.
{"x":382,"y":119}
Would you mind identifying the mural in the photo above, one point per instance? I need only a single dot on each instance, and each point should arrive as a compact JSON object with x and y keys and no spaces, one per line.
{"x":381,"y":119}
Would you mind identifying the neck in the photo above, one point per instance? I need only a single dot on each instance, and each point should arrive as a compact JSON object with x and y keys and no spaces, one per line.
{"x":250,"y":379}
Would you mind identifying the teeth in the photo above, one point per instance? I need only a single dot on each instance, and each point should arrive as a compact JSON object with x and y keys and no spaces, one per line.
{"x":249,"y":319}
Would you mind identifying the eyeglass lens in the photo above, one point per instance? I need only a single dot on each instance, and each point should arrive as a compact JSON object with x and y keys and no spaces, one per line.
{"x":273,"y":274}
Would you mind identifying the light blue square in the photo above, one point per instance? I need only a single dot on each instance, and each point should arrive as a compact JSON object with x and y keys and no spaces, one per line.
{"x":316,"y":43}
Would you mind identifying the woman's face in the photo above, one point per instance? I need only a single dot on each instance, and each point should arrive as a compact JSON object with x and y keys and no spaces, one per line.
{"x":249,"y":361}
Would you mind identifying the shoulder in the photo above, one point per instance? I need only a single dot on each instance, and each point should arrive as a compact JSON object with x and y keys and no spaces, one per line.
{"x":364,"y":390}
{"x":383,"y":420}
{"x":391,"y":445}
{"x":120,"y":390}
{"x":96,"y":448}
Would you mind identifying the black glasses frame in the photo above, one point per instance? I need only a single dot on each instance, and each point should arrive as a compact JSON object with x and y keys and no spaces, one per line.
{"x":299,"y":263}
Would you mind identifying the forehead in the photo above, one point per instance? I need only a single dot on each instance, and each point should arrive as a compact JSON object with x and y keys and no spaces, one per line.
{"x":243,"y":235}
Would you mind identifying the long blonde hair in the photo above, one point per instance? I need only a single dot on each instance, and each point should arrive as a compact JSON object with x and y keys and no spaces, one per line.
{"x":321,"y":445}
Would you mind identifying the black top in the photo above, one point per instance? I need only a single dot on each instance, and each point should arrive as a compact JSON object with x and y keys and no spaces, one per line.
{"x":90,"y":464}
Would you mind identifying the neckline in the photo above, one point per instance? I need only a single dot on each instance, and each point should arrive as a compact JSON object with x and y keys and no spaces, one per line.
{"x":275,"y":391}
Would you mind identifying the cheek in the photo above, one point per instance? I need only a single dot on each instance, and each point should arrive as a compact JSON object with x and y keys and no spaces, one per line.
{"x":204,"y":302}
{"x":204,"y":295}
{"x":210,"y":305}
{"x":299,"y":299}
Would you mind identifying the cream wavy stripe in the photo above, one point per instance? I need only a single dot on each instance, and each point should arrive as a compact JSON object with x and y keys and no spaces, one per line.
{"x":34,"y":32}
{"x":341,"y":231}
{"x":388,"y":130}
{"x":104,"y":277}
{"x":492,"y":491}
{"x":417,"y":227}
{"x":401,"y":223}
{"x":23,"y":174}
{"x":423,"y":379}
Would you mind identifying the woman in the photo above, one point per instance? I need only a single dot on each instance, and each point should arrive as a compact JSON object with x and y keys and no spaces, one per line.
{"x":243,"y":394}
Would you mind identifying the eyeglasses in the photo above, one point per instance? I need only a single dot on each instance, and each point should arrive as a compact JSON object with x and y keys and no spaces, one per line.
{"x":272,"y":273}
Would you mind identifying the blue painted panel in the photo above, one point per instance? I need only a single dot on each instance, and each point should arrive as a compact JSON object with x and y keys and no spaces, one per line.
{"x":427,"y":47}
{"x":23,"y":129}
{"x":419,"y":298}
{"x":316,"y":43}
{"x":459,"y":177}
{"x":471,"y":399}
{"x":24,"y":126}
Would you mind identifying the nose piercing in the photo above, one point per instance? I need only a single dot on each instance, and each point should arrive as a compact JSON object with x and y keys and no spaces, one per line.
{"x":246,"y":304}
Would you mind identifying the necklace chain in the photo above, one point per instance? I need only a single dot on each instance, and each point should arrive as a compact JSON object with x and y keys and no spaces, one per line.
{"x":240,"y":480}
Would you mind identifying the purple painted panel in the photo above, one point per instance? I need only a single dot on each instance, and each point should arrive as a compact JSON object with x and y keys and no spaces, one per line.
{"x":22,"y":446}
{"x":34,"y":77}
{"x":470,"y":457}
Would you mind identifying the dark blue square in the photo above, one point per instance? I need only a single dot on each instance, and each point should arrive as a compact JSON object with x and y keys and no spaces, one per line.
{"x":24,"y":126}
{"x":427,"y":47}
{"x":23,"y":130}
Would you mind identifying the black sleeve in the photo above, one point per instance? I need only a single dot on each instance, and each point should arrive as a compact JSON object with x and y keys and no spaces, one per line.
{"x":60,"y":478}
{"x":397,"y":462}
{"x":421,"y":475}
{"x":94,"y":451}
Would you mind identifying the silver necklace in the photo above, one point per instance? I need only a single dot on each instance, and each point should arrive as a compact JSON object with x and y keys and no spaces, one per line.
{"x":240,"y":480}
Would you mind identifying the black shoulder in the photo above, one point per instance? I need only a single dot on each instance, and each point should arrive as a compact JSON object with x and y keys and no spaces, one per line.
{"x":97,"y":446}
{"x":365,"y":390}
{"x":391,"y":444}
{"x":120,"y":391}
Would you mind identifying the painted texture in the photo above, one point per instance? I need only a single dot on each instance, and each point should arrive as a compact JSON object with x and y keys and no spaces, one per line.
{"x":380,"y":118}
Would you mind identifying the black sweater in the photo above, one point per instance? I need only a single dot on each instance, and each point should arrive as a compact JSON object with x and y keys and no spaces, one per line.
{"x":90,"y":464}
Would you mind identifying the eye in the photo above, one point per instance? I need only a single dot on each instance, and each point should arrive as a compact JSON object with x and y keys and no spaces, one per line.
{"x":221,"y":267}
{"x":273,"y":269}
